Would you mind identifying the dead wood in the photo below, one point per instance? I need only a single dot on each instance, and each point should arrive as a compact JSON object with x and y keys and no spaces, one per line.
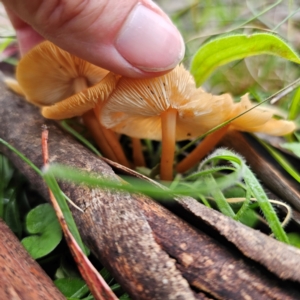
{"x":134,"y":237}
{"x":282,"y":260}
{"x":21,"y":276}
{"x":112,"y":226}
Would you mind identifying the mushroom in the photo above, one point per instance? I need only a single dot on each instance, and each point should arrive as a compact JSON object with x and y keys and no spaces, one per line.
{"x":13,"y":85}
{"x":65,"y":86}
{"x":137,"y":155}
{"x":259,"y":119}
{"x":166,"y":108}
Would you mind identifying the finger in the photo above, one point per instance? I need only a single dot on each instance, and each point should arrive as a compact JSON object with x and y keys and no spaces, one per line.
{"x":132,"y":38}
{"x":27,"y":37}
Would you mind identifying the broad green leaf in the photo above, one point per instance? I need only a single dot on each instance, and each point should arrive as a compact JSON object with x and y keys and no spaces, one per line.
{"x":294,"y":147}
{"x":5,"y":43}
{"x":293,"y":112}
{"x":226,"y":49}
{"x":72,"y":287}
{"x":42,"y":223}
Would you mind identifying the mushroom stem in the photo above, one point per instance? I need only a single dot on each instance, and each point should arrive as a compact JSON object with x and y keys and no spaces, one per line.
{"x":208,"y":143}
{"x":115,"y":145}
{"x":105,"y":138}
{"x":168,"y":125}
{"x":111,"y":139}
{"x":79,"y":84}
{"x":138,"y":157}
{"x":92,"y":123}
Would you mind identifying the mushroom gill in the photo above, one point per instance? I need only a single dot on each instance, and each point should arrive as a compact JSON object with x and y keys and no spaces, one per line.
{"x":166,"y":108}
{"x":66,"y":86}
{"x":257,"y":119}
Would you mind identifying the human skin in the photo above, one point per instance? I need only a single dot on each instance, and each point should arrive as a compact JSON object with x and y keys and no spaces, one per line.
{"x":131,"y":38}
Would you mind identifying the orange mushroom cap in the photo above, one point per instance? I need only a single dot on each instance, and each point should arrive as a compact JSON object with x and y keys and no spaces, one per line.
{"x":49,"y":76}
{"x":259,"y":119}
{"x":82,"y":101}
{"x":135,"y":107}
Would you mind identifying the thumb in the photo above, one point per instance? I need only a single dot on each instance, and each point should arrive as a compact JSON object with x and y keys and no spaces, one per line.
{"x":131,"y":38}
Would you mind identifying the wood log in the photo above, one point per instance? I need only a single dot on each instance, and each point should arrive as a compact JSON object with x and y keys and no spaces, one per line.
{"x":21,"y":276}
{"x":111,"y":225}
{"x":151,"y":252}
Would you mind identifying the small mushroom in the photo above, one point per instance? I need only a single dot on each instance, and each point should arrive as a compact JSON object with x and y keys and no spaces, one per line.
{"x":13,"y":85}
{"x":259,"y":119}
{"x":166,"y":108}
{"x":65,"y":86}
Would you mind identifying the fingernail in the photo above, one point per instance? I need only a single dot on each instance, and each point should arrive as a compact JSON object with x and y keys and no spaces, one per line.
{"x":149,"y":42}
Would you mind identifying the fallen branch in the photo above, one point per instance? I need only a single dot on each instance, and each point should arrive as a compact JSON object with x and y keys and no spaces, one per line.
{"x":21,"y":276}
{"x":151,"y":252}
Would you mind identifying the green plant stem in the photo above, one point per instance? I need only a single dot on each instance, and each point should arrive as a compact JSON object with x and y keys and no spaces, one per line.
{"x":245,"y":205}
{"x":217,"y":194}
{"x":24,"y":158}
{"x":204,"y":200}
{"x":54,"y":187}
{"x":281,"y":160}
{"x":265,"y":205}
{"x":84,"y":141}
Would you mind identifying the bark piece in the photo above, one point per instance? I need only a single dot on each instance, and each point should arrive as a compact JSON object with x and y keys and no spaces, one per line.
{"x":279,"y":258}
{"x":21,"y":276}
{"x":127,"y":232}
{"x":217,"y":269}
{"x":112,"y":226}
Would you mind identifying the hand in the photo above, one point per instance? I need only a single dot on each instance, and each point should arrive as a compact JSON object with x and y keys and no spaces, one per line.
{"x":134,"y":38}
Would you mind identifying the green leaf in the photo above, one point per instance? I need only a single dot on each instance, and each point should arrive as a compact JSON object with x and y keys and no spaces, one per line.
{"x":5,"y":43}
{"x":218,"y":196}
{"x":125,"y":297}
{"x":12,"y":213}
{"x":42,"y":223}
{"x":72,"y":287}
{"x":265,"y":206}
{"x":61,"y":200}
{"x":256,"y":190}
{"x":6,"y":174}
{"x":226,"y":49}
{"x":249,"y":218}
{"x":294,"y":147}
{"x":293,"y":112}
{"x":294,"y":238}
